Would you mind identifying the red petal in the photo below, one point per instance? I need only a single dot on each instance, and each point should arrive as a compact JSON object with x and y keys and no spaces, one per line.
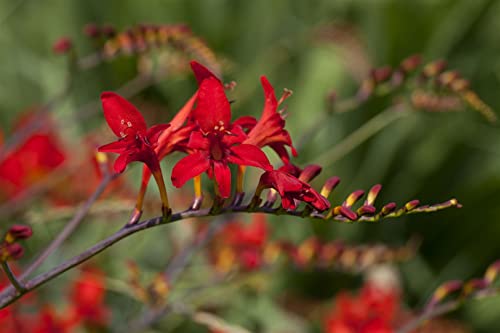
{"x":223,"y":178}
{"x":114,"y":147}
{"x":189,"y":167}
{"x":155,"y":131}
{"x":251,"y":155}
{"x":213,"y":107}
{"x":121,"y":163}
{"x":201,"y":72}
{"x":183,"y":113}
{"x":246,"y":122}
{"x":270,"y":104}
{"x":122,"y":117}
{"x":198,"y":141}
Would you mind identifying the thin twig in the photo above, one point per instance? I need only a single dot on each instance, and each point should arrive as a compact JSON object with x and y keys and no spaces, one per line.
{"x":174,"y":270}
{"x":12,"y":278}
{"x":424,"y":317}
{"x":178,"y":264}
{"x":70,"y":226}
{"x":360,"y":135}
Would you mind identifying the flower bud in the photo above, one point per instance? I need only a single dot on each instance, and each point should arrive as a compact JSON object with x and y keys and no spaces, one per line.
{"x":11,"y":251}
{"x":329,"y":186}
{"x":411,"y":63}
{"x":387,"y":209}
{"x":62,"y":45}
{"x":17,"y":232}
{"x":91,"y":30}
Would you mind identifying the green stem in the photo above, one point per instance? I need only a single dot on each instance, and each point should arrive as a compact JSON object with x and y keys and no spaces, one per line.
{"x":360,"y":135}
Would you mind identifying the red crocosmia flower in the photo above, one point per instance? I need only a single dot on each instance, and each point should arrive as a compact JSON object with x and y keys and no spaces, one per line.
{"x":87,"y":297}
{"x":216,"y":142}
{"x":246,"y":241}
{"x":374,"y":310}
{"x":33,"y":160}
{"x":290,"y":188}
{"x":136,"y":142}
{"x":269,"y":130}
{"x":49,"y":322}
{"x":174,"y":138}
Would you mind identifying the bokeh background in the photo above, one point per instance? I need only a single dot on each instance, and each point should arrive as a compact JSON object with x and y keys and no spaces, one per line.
{"x":312,"y":48}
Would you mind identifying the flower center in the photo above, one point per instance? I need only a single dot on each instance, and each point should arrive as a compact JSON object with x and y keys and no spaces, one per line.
{"x":216,"y":151}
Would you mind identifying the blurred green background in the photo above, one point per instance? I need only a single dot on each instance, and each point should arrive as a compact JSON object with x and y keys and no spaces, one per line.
{"x":429,"y":156}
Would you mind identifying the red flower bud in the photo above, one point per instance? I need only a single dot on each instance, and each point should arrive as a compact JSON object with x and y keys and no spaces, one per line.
{"x":17,"y":232}
{"x":62,"y":45}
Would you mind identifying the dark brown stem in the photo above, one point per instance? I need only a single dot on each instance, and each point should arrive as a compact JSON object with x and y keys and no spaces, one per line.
{"x":12,"y":278}
{"x":70,"y":226}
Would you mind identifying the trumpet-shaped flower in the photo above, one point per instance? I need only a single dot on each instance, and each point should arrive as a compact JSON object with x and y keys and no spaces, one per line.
{"x":216,"y":142}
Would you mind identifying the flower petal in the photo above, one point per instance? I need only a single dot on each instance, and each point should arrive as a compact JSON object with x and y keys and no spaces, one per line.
{"x":189,"y":167}
{"x":201,"y":72}
{"x":251,"y":155}
{"x":121,"y":163}
{"x":155,"y":131}
{"x":245,"y":122}
{"x":122,"y":117}
{"x":114,"y":147}
{"x":213,"y":108}
{"x":198,"y":141}
{"x":223,"y":178}
{"x":270,"y":103}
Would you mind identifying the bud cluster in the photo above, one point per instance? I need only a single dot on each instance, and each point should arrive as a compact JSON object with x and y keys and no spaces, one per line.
{"x":10,"y":249}
{"x":460,"y":291}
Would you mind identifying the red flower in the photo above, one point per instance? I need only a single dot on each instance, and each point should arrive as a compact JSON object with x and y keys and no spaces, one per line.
{"x":245,"y":241}
{"x":87,"y":297}
{"x":290,"y":189}
{"x":34,"y":159}
{"x":269,"y":130}
{"x":374,"y":310}
{"x":174,"y":138}
{"x":216,"y":142}
{"x":136,"y":142}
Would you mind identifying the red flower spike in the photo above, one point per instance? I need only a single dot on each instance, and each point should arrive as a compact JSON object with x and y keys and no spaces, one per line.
{"x":290,"y":189}
{"x":269,"y":130}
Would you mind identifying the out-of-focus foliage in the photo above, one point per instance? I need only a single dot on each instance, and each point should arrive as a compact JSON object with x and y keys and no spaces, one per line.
{"x":311,"y":48}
